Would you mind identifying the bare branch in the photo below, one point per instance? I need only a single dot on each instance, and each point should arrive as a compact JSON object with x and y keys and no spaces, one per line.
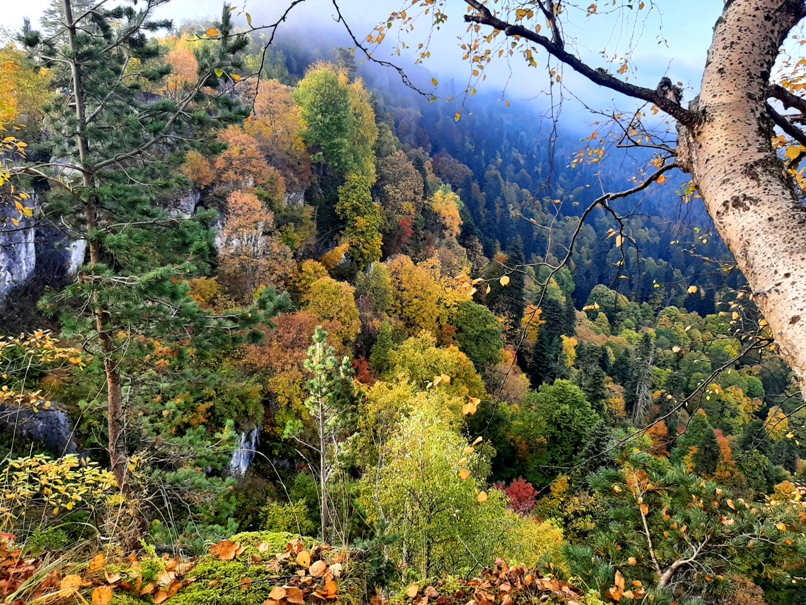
{"x":483,"y":16}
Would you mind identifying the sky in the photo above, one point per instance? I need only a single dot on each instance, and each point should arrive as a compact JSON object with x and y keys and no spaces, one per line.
{"x":683,"y":28}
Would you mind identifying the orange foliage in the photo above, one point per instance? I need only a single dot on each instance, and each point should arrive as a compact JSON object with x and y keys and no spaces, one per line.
{"x":249,"y":257}
{"x":185,"y":72}
{"x":281,"y":358}
{"x":242,"y":164}
{"x":198,"y":169}
{"x":659,"y":433}
{"x":276,"y":128}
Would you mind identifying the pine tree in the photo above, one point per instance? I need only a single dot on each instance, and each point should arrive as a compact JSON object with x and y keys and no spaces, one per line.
{"x":569,"y":317}
{"x":112,"y":141}
{"x":547,"y":362}
{"x":643,"y":382}
{"x":700,"y":443}
{"x":329,"y":406}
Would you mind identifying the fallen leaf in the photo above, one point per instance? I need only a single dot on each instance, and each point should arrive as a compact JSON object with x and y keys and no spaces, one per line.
{"x":504,"y":280}
{"x":294,"y":595}
{"x":464,"y":474}
{"x":69,"y":586}
{"x":246,"y":583}
{"x":304,"y":559}
{"x":102,"y":595}
{"x":224,"y":550}
{"x":482,"y":497}
{"x":277,"y":593}
{"x":98,"y":562}
{"x":317,"y":570}
{"x":412,"y":591}
{"x":263,"y":547}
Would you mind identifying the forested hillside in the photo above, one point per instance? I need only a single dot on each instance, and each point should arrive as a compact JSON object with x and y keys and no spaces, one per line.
{"x":271,"y":300}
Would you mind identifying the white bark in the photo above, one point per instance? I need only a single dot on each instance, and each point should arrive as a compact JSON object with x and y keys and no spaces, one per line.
{"x":743,"y":183}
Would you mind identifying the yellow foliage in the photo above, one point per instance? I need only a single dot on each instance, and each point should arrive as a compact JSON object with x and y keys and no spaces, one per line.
{"x":570,"y":349}
{"x":445,"y":204}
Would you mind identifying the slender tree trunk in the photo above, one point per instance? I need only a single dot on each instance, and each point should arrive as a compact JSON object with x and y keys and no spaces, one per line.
{"x":746,"y":191}
{"x":322,"y":471}
{"x":117,"y":456}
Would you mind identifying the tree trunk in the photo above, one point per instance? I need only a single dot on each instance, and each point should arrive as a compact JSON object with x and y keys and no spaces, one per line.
{"x":745,"y":188}
{"x":117,"y":455}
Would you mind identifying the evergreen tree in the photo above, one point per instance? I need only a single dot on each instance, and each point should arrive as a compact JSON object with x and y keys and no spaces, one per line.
{"x":330,"y":406}
{"x":700,"y":443}
{"x":643,"y":381}
{"x":112,"y":141}
{"x":379,"y":356}
{"x":547,"y":361}
{"x":569,"y":317}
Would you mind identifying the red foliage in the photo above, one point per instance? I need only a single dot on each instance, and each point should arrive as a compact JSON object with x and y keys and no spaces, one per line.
{"x":521,"y":494}
{"x":362,"y":372}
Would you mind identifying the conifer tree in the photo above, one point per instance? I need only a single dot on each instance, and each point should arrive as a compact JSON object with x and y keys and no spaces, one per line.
{"x":110,"y":143}
{"x":329,"y":405}
{"x":643,"y":382}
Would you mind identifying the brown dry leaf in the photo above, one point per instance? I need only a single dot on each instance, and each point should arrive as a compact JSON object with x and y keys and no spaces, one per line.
{"x":412,"y":591}
{"x":184,"y":568}
{"x":213,"y":583}
{"x":263,"y":547}
{"x":246,"y":583}
{"x":98,"y":562}
{"x":464,"y":474}
{"x":277,"y":593}
{"x":271,"y":602}
{"x":224,"y":550}
{"x":166,"y":578}
{"x":619,"y":580}
{"x":294,"y":595}
{"x":102,"y":595}
{"x":112,"y":579}
{"x":332,"y":589}
{"x":317,"y":570}
{"x":482,"y":497}
{"x":507,"y":600}
{"x":160,"y":597}
{"x":69,"y":586}
{"x":616,"y":593}
{"x":431,"y":592}
{"x":149,"y":588}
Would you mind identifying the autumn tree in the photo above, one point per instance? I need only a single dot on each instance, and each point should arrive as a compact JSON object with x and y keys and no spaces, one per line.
{"x":112,"y":142}
{"x":276,"y":126}
{"x":250,"y":255}
{"x":753,"y":193}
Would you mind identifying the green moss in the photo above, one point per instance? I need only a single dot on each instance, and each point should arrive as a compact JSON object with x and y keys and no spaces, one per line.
{"x":277,"y":542}
{"x":227,"y":590}
{"x":127,"y":598}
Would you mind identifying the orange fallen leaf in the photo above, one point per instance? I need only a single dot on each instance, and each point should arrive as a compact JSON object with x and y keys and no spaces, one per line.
{"x":304,"y":559}
{"x":277,"y":593}
{"x":98,"y":562}
{"x":160,"y":597}
{"x":412,"y":591}
{"x":102,"y":595}
{"x":317,"y":570}
{"x":294,"y":595}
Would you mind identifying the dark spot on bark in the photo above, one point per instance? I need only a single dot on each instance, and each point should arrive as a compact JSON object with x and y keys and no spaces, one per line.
{"x":786,"y":275}
{"x":795,"y":319}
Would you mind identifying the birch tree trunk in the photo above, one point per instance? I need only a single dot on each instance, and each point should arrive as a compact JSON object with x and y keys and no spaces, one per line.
{"x":725,"y":144}
{"x":746,"y":190}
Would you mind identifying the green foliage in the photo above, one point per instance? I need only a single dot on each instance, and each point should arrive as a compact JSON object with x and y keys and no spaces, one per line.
{"x":478,"y":334}
{"x":557,"y":423}
{"x":694,"y":525}
{"x":363,"y":220}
